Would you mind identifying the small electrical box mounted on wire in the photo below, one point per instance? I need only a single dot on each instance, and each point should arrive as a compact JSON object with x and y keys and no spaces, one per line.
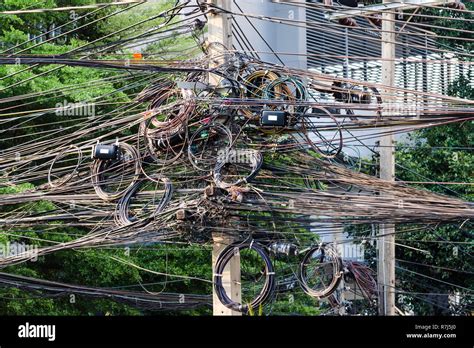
{"x":105,"y":152}
{"x":271,"y":118}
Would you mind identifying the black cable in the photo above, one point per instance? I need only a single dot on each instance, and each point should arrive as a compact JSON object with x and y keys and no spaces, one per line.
{"x":122,"y":210}
{"x":223,"y":259}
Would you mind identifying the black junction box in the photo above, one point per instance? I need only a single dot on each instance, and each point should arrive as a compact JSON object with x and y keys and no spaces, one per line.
{"x":106,"y":152}
{"x":270,"y":118}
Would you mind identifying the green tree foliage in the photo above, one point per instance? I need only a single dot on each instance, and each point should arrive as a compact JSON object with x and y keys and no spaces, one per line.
{"x":456,"y":27}
{"x":442,"y":153}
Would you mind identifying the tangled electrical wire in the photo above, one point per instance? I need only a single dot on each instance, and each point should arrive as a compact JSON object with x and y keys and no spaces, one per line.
{"x":364,"y":278}
{"x":319,"y":275}
{"x":122,"y":212}
{"x":161,"y":301}
{"x":320,"y":271}
{"x":268,"y":272}
{"x":104,"y":173}
{"x":239,"y":146}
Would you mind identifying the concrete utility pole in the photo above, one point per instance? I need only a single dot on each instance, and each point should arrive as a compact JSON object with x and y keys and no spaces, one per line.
{"x":386,"y":243}
{"x":220,"y":31}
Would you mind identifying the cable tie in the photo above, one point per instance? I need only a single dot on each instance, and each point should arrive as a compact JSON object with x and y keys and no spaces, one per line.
{"x":251,"y":243}
{"x":217,"y":275}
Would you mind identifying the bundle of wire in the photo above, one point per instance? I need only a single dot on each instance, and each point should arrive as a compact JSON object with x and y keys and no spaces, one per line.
{"x":325,"y":278}
{"x":128,"y":157}
{"x":222,"y":261}
{"x":141,"y":300}
{"x":364,"y":277}
{"x":122,"y":211}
